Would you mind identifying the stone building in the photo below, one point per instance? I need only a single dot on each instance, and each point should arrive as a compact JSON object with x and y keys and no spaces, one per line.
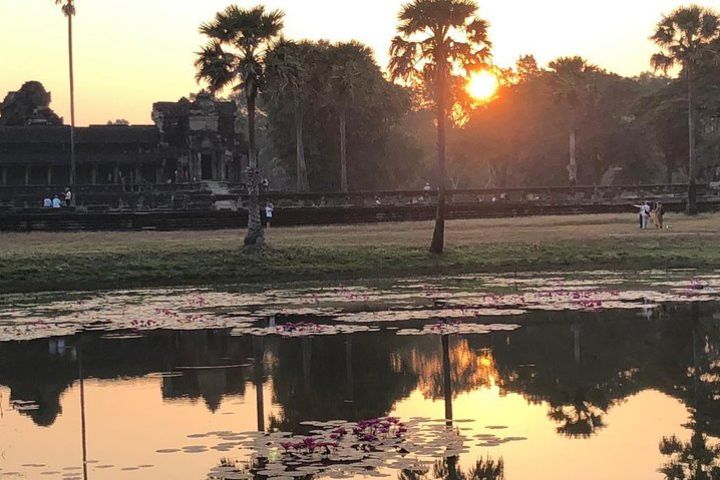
{"x":199,"y":140}
{"x":105,"y":154}
{"x":190,"y":141}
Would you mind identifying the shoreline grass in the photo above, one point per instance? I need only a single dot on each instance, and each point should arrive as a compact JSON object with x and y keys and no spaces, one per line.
{"x":38,"y":262}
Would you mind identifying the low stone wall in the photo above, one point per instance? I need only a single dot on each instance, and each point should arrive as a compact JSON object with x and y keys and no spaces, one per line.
{"x":69,"y":220}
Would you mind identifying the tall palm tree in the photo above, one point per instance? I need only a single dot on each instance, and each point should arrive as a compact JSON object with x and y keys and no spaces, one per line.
{"x":239,"y":40}
{"x":438,"y":43}
{"x":68,"y":9}
{"x":572,"y":88}
{"x":686,"y":38}
{"x":289,"y":83}
{"x":348,"y":80}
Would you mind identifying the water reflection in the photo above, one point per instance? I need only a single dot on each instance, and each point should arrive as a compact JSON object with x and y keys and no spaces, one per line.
{"x":578,"y":369}
{"x":699,"y":457}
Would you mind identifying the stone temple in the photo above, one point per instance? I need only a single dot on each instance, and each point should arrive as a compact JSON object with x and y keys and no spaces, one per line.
{"x":191,"y":140}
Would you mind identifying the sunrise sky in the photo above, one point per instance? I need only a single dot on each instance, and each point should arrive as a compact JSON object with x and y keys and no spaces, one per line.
{"x":131,"y":53}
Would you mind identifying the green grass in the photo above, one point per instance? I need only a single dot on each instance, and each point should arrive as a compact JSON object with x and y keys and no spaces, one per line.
{"x":34,"y":270}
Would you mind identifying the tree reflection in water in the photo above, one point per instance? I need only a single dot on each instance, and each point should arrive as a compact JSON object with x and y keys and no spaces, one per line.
{"x":484,"y":469}
{"x":698,"y":458}
{"x":447,"y":469}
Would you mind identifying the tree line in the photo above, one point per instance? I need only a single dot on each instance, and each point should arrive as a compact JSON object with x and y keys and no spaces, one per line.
{"x":329,"y":118}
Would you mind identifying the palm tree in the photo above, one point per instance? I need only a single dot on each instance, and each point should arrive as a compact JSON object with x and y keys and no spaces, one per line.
{"x":239,"y":40}
{"x":438,"y":43}
{"x":288,"y":75}
{"x":68,"y":9}
{"x":350,"y":68}
{"x":572,"y":88}
{"x":685,"y":38}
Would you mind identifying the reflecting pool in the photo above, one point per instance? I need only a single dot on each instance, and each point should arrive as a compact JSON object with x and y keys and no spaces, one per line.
{"x":285,"y":385}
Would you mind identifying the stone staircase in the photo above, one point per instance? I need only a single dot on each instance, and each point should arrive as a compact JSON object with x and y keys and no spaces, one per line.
{"x":221,"y":189}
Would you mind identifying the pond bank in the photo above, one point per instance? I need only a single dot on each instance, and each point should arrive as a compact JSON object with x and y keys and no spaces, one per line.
{"x":68,"y":268}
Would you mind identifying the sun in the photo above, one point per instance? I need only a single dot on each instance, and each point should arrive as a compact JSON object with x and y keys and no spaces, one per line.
{"x":482,"y":85}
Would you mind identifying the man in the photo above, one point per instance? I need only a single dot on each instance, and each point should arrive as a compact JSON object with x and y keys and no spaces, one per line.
{"x":269,"y":210}
{"x":47,"y":202}
{"x":68,"y":197}
{"x":56,"y":203}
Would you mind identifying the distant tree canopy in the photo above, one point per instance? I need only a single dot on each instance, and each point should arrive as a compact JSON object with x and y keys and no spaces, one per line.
{"x":311,"y":86}
{"x":328,"y":115}
{"x":627,"y":130}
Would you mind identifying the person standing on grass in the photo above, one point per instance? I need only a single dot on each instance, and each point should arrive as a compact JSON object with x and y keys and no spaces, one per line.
{"x":269,"y":210}
{"x":640,"y":208}
{"x":659,"y":215}
{"x":644,"y":214}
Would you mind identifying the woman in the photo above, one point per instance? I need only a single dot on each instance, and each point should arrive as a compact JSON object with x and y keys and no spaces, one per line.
{"x":659,"y":214}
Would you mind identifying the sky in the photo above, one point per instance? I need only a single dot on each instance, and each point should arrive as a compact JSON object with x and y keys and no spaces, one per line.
{"x":131,"y":53}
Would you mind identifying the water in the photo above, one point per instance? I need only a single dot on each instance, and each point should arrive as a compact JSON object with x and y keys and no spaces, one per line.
{"x":555,"y":393}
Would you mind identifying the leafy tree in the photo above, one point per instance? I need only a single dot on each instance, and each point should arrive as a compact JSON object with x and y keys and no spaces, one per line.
{"x":686,"y":37}
{"x":438,"y":43}
{"x":378,"y":150}
{"x":573,"y":88}
{"x":351,"y":67}
{"x":239,"y":40}
{"x":289,"y":83}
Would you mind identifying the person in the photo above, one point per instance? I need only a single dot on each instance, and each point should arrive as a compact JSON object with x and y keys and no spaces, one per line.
{"x":56,"y":203}
{"x":646,"y":215}
{"x":643,"y":214}
{"x":659,"y":215}
{"x":68,"y":197}
{"x":269,"y":210}
{"x":47,"y":202}
{"x":427,"y":187}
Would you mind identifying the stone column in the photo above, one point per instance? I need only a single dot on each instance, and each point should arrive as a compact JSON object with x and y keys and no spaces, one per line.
{"x":27,"y":175}
{"x":49,"y":175}
{"x":4,"y":175}
{"x":93,"y":174}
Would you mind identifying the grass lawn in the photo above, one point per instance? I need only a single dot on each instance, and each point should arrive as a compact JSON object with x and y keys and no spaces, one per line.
{"x":93,"y":260}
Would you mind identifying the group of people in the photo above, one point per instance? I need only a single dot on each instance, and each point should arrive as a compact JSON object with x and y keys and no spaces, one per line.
{"x":60,"y":200}
{"x":651,"y":213}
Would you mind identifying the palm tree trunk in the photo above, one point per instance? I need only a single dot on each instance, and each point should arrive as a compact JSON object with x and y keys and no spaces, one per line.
{"x":258,"y":376}
{"x":254,"y":235}
{"x":572,"y":166}
{"x":692,"y":189}
{"x":447,"y":380}
{"x":343,"y":152}
{"x":303,"y":185}
{"x":438,"y":241}
{"x":72,"y":112}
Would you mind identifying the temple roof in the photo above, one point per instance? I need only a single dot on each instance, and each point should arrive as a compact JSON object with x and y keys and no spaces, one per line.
{"x":143,"y":134}
{"x":184,"y":107}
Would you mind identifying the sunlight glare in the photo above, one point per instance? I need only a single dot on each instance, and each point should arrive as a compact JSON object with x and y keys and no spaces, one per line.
{"x":482,"y":85}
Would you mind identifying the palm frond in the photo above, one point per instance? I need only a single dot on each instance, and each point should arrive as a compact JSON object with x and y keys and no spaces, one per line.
{"x":67,"y":7}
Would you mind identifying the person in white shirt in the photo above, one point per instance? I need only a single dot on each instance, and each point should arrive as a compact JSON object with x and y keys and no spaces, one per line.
{"x":68,"y":197}
{"x":269,"y":210}
{"x":56,"y":202}
{"x":47,"y":203}
{"x":644,"y":214}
